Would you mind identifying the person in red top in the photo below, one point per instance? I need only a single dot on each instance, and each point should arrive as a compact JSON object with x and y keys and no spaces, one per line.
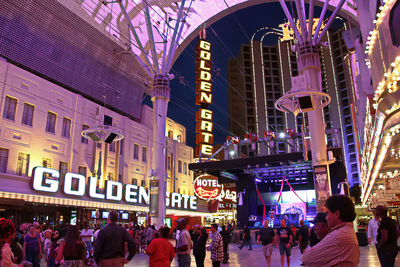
{"x":160,"y":250}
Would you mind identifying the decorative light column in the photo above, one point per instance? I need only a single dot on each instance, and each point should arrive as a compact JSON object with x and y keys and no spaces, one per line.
{"x":156,"y":59}
{"x":307,"y":95}
{"x":160,"y":95}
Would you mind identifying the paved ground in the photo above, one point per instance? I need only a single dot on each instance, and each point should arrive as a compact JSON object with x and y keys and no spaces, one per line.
{"x":254,"y":257}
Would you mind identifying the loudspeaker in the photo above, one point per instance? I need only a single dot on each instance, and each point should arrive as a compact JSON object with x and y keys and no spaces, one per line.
{"x":94,"y":136}
{"x":111,"y":138}
{"x":107,"y":120}
{"x":350,"y":37}
{"x":306,"y":103}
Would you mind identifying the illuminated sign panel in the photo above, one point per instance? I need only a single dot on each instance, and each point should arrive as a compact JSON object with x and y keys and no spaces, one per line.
{"x":204,"y":97}
{"x":47,"y":180}
{"x":207,"y":187}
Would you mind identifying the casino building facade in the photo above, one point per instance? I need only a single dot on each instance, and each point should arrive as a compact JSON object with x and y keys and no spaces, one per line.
{"x":41,"y":125}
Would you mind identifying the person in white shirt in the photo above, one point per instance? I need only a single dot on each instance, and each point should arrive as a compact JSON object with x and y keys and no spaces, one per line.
{"x":373,"y":226}
{"x":86,"y":235}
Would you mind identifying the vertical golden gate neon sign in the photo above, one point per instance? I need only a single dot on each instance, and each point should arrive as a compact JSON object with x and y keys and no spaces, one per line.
{"x":204,"y":116}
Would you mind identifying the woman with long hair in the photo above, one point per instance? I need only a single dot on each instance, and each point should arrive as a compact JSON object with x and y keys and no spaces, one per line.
{"x":7,"y":235}
{"x":72,"y":249}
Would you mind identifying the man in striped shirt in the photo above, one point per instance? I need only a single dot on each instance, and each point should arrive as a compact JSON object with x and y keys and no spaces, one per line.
{"x":216,"y":247}
{"x":340,"y":247}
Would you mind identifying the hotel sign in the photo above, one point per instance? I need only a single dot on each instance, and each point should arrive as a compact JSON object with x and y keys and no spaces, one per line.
{"x":204,"y":116}
{"x":207,"y":187}
{"x":48,"y":181}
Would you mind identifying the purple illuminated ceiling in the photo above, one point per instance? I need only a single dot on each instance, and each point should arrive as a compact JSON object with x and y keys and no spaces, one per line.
{"x":109,"y":18}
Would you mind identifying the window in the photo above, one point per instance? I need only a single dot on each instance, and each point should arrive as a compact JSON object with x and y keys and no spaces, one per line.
{"x":66,"y":128}
{"x":82,"y":170}
{"x":84,"y":140}
{"x":121,"y":147}
{"x":63,"y":169}
{"x":98,"y":145}
{"x":144,"y":154}
{"x":179,"y":138}
{"x":110,"y":176}
{"x":179,"y":166}
{"x":3,"y":159}
{"x":170,"y":134}
{"x":10,"y":106}
{"x":134,"y":181}
{"x":184,"y":168}
{"x":136,"y":151}
{"x":27,"y":115}
{"x":143,"y":183}
{"x":51,"y":122}
{"x":169,"y":162}
{"x":23,"y":164}
{"x":111,"y":147}
{"x":47,"y":163}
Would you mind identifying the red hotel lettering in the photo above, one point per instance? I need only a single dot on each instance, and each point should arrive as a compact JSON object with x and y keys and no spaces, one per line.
{"x":204,"y":117}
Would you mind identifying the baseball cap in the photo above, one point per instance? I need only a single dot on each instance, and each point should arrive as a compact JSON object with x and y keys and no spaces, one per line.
{"x":321,"y":217}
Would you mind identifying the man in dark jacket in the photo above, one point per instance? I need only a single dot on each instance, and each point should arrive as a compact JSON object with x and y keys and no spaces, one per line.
{"x":199,"y":237}
{"x":109,"y":249}
{"x":226,"y":239}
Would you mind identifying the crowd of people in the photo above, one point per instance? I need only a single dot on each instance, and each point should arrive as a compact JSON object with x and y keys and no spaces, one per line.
{"x":331,"y":242}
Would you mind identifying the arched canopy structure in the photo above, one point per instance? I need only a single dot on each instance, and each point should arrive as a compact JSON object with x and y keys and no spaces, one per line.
{"x":110,"y":18}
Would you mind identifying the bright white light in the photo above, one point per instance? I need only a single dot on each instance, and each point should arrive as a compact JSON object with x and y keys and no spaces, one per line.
{"x":231,"y":152}
{"x":282,"y":135}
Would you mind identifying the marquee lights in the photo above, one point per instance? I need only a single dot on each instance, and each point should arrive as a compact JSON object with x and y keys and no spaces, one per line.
{"x":373,"y":35}
{"x":391,"y":80}
{"x":204,"y":116}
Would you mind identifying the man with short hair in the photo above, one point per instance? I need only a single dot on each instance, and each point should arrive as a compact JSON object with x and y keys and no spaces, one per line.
{"x":387,"y":237}
{"x":199,"y":237}
{"x":109,"y":250}
{"x":303,"y":235}
{"x":285,"y":242}
{"x":266,"y":236}
{"x":226,"y":238}
{"x":183,"y":244}
{"x":373,"y":226}
{"x":340,"y":246}
{"x":216,"y":247}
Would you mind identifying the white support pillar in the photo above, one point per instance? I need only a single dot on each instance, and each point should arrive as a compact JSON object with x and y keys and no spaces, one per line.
{"x":310,"y":67}
{"x":160,"y":97}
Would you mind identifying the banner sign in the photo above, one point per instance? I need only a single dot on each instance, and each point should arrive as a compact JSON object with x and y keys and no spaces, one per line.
{"x":204,"y":116}
{"x":153,"y":211}
{"x":48,"y":181}
{"x":299,"y":208}
{"x":322,"y":185}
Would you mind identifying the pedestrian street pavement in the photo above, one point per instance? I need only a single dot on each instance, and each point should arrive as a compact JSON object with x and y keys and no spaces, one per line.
{"x":249,"y":258}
